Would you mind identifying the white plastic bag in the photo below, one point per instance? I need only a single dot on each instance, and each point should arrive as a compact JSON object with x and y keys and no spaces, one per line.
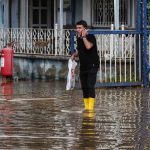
{"x":71,"y":74}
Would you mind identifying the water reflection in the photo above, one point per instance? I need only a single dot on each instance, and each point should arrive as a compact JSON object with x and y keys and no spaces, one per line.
{"x":7,"y":90}
{"x":6,"y":122}
{"x":120,"y":116}
{"x":88,"y":132}
{"x":120,"y":120}
{"x":144,"y":121}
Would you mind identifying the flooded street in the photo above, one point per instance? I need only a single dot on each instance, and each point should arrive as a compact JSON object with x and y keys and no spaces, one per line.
{"x":42,"y":115}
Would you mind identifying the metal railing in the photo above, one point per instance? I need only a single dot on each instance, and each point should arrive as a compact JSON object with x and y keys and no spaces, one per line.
{"x":37,"y":41}
{"x":120,"y":56}
{"x":119,"y":51}
{"x":103,"y":12}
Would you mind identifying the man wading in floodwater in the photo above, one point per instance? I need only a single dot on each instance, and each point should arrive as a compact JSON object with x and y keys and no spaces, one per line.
{"x":89,"y":63}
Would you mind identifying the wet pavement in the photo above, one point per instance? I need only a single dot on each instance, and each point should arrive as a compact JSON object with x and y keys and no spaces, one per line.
{"x":41,"y":115}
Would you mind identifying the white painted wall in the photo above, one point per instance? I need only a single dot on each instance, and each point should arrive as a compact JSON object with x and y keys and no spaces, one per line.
{"x":78,"y":10}
{"x":87,"y":11}
{"x":14,"y":14}
{"x":6,"y":13}
{"x":1,"y":13}
{"x":24,"y":13}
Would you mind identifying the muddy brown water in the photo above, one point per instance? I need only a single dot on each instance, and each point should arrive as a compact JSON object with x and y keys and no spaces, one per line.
{"x":43,"y":115}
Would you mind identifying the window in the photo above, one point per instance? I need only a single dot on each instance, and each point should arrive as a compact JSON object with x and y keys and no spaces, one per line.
{"x":40,"y":13}
{"x":103,"y":12}
{"x":67,"y":5}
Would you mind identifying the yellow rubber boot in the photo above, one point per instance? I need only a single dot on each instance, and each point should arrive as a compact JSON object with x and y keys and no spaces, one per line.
{"x":86,"y":103}
{"x":91,"y":103}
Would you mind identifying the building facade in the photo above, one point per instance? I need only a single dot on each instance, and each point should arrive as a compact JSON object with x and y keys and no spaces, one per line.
{"x":42,"y":29}
{"x":46,"y":13}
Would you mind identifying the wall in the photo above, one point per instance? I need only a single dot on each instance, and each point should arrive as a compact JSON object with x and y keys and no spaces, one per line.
{"x":87,"y":5}
{"x":24,"y":14}
{"x":1,"y":14}
{"x":14,"y":14}
{"x":56,"y":68}
{"x":7,"y":9}
{"x":40,"y":68}
{"x":4,"y":13}
{"x":78,"y":10}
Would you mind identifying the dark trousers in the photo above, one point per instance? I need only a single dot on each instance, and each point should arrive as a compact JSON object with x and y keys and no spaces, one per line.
{"x":88,"y":80}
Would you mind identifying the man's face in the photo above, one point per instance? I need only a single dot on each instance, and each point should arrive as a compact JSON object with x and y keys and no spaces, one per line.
{"x":79,"y":29}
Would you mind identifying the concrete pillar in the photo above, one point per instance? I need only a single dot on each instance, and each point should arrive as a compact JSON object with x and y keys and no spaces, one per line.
{"x":129,"y":12}
{"x":133,"y":13}
{"x":61,"y":14}
{"x":116,"y":14}
{"x":55,"y":12}
{"x":24,"y":13}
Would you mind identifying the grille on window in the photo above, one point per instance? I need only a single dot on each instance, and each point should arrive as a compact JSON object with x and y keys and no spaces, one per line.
{"x":103,"y":14}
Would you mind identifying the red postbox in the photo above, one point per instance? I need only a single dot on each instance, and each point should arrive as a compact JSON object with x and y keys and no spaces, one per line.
{"x":7,"y":62}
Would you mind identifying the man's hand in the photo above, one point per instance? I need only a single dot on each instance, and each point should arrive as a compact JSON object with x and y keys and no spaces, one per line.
{"x":84,"y":33}
{"x":87,"y":43}
{"x":74,"y":55}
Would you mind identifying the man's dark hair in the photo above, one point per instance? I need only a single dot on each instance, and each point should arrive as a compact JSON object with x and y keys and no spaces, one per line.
{"x":82,"y":22}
